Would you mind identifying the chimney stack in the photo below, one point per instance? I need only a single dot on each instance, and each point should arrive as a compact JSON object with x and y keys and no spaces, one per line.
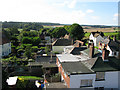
{"x":91,"y":52}
{"x":119,"y":52}
{"x":114,"y":38}
{"x":105,"y":54}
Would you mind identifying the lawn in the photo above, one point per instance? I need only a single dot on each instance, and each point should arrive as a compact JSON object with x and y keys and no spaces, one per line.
{"x":29,"y":77}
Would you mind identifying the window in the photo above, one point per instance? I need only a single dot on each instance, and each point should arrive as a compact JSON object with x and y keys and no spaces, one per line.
{"x":86,"y":83}
{"x":100,"y":75}
{"x":114,"y":53}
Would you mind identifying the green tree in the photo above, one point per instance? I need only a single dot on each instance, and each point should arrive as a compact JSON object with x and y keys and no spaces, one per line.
{"x":28,"y":52}
{"x":67,"y":27}
{"x":59,"y":32}
{"x":36,"y":41}
{"x":26,"y":40}
{"x":76,"y":31}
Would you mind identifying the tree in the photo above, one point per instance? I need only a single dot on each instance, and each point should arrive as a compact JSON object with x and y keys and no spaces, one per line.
{"x":36,"y":41}
{"x":28,"y":52}
{"x":67,"y":27}
{"x":26,"y":40}
{"x":59,"y":32}
{"x":76,"y":31}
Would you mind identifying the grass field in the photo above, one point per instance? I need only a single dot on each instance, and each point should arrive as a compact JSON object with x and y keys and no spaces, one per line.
{"x":29,"y":77}
{"x":106,"y":34}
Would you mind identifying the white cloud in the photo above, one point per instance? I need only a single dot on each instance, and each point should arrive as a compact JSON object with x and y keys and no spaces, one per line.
{"x":72,"y":4}
{"x":90,"y":11}
{"x":68,"y":3}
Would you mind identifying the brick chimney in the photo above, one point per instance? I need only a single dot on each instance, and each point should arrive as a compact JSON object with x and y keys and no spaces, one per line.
{"x":109,"y":37}
{"x":105,"y":54}
{"x":114,"y":38}
{"x":119,"y":52}
{"x":91,"y":52}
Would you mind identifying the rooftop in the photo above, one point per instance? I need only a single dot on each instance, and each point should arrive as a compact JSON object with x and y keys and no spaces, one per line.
{"x":95,"y":34}
{"x":75,"y":67}
{"x":46,"y":59}
{"x":113,"y":64}
{"x":4,"y":38}
{"x":67,"y":58}
{"x":114,"y":46}
{"x":62,"y":42}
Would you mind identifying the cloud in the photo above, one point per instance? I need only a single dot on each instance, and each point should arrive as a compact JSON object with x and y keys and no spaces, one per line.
{"x":90,"y":11}
{"x":72,"y":4}
{"x":68,"y":3}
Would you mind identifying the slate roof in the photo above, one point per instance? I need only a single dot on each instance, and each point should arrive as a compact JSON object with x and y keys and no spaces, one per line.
{"x":114,"y":46}
{"x":62,"y":42}
{"x":113,"y":64}
{"x":3,"y":39}
{"x":96,"y":52}
{"x":91,"y":66}
{"x":75,"y":68}
{"x":76,"y":50}
{"x":95,"y":34}
{"x":46,"y":59}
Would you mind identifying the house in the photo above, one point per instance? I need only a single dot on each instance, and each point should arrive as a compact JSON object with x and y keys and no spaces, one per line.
{"x":96,"y":37}
{"x":5,"y":45}
{"x":111,"y":45}
{"x":89,"y":69}
{"x":59,"y":44}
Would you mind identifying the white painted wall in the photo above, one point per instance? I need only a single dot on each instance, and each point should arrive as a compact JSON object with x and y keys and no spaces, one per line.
{"x":111,"y":79}
{"x":6,"y":49}
{"x":110,"y":53}
{"x":119,"y":79}
{"x":59,"y":49}
{"x":96,"y":39}
{"x":75,"y":80}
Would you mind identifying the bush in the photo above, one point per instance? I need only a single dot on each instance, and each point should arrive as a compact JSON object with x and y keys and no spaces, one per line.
{"x":34,"y":48}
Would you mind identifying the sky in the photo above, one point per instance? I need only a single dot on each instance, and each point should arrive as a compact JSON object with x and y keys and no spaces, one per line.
{"x":89,"y":12}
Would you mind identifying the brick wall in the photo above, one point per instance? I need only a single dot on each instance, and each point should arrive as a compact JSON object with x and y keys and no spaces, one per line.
{"x":65,"y":76}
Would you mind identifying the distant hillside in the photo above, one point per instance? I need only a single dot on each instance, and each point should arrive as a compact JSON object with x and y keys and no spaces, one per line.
{"x":26,"y":24}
